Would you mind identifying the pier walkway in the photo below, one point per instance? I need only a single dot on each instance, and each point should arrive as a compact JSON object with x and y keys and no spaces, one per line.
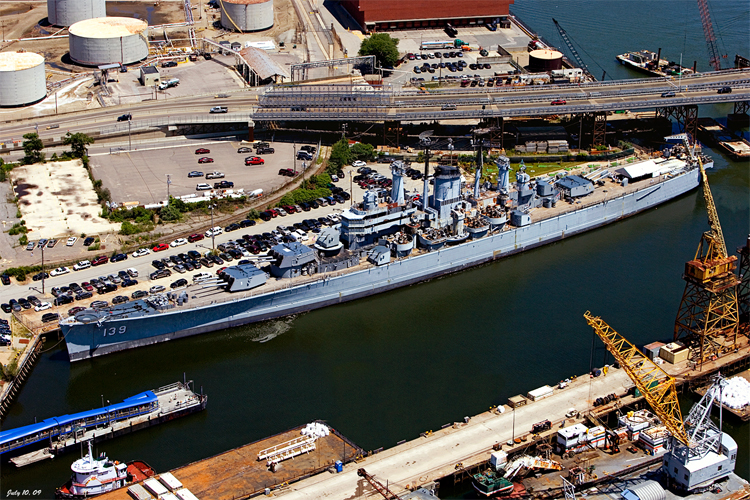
{"x":429,"y":458}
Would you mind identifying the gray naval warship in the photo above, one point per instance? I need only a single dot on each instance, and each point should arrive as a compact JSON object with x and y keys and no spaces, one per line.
{"x":390,"y":240}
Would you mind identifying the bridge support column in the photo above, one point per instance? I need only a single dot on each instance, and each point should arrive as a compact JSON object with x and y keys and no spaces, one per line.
{"x":392,"y":133}
{"x":599,"y":137}
{"x":685,"y":116}
{"x":496,"y":126}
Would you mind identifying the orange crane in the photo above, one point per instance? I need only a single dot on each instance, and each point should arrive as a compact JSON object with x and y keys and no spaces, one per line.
{"x":708,"y":318}
{"x":708,"y":30}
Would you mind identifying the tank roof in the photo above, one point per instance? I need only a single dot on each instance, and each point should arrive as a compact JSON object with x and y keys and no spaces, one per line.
{"x":545,"y":54}
{"x":15,"y":61}
{"x":108,"y":27}
{"x":248,"y":2}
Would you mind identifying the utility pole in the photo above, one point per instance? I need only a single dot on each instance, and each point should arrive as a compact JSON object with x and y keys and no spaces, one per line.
{"x":55,"y":101}
{"x":213,"y":233}
{"x":169,"y":181}
{"x":130,"y":117}
{"x":42,"y":249}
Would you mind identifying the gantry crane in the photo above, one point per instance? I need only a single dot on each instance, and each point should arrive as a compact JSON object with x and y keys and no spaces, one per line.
{"x":692,"y":439}
{"x":573,"y":51}
{"x":708,"y":317}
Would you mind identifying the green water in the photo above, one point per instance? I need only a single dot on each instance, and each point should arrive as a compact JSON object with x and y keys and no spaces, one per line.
{"x":388,"y":367}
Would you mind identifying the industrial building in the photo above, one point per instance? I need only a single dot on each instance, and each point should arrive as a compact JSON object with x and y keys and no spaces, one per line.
{"x":108,"y":40}
{"x":149,"y":76}
{"x":69,"y":12}
{"x":247,"y":15}
{"x":22,"y":78}
{"x":260,"y":68}
{"x":384,"y":15}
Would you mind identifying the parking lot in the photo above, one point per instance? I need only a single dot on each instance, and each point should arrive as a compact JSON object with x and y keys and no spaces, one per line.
{"x":196,"y":78}
{"x":453,"y":66}
{"x":513,"y":40}
{"x":141,"y":176}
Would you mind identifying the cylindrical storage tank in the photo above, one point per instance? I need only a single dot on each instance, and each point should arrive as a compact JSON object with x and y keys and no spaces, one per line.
{"x":247,"y":15}
{"x":22,"y":78}
{"x":543,"y":60}
{"x":108,"y":40}
{"x":69,"y":12}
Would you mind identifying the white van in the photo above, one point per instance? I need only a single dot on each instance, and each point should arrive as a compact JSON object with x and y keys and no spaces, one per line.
{"x":84,"y":264}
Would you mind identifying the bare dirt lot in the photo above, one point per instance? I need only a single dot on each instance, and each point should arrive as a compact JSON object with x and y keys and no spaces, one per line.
{"x":57,"y":199}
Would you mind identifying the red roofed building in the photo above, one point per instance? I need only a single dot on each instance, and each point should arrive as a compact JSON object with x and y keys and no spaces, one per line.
{"x":383,"y":15}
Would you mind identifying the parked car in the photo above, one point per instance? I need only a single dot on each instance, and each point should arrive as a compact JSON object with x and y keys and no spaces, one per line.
{"x":178,"y":242}
{"x":223,"y":185}
{"x":254,"y":161}
{"x":244,"y":150}
{"x":202,"y":187}
{"x":202,"y":151}
{"x":71,"y":241}
{"x":119,"y":299}
{"x":177,"y":284}
{"x":75,"y":310}
{"x":43,"y":306}
{"x":88,"y":241}
{"x":195,"y":237}
{"x":359,"y":163}
{"x":119,"y":257}
{"x":60,"y":271}
{"x":139,"y":294}
{"x":195,"y":173}
{"x":205,"y":159}
{"x":169,"y":64}
{"x":215,"y":175}
{"x":48,"y":317}
{"x":160,"y":247}
{"x":141,"y":252}
{"x":84,"y":264}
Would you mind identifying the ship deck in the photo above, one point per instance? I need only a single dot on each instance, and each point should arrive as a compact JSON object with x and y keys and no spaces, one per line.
{"x":239,"y":474}
{"x":201,"y":295}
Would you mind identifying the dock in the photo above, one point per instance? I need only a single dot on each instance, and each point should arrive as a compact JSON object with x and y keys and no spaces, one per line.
{"x":239,"y":473}
{"x":141,"y":411}
{"x":741,"y":413}
{"x":462,"y":448}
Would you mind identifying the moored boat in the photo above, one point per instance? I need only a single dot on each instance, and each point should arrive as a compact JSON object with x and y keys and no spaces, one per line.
{"x":490,"y":483}
{"x":94,"y":476}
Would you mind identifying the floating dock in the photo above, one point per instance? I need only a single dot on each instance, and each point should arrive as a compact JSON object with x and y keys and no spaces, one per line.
{"x":240,"y":473}
{"x":134,"y":413}
{"x":741,"y":413}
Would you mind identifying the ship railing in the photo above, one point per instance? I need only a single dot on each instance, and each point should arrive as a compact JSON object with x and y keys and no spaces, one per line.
{"x":288,"y":449}
{"x":176,"y":386}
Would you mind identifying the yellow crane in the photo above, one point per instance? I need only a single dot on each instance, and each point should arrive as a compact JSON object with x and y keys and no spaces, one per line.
{"x":657,"y":387}
{"x":694,"y":438}
{"x":708,"y":318}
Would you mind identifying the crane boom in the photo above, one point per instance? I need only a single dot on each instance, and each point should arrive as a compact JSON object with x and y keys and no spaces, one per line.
{"x":708,"y":30}
{"x":717,"y":235}
{"x":654,"y":383}
{"x":574,"y":52}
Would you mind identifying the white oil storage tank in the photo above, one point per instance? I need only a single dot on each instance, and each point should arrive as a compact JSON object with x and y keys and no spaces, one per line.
{"x":246,"y":15}
{"x":22,"y":78}
{"x":69,"y":12}
{"x":108,"y":40}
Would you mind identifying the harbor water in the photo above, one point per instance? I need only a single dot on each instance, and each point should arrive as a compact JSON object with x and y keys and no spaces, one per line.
{"x":388,"y":367}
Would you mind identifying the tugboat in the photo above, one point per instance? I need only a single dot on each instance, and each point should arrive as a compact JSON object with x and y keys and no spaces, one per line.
{"x":490,"y":483}
{"x":94,"y":476}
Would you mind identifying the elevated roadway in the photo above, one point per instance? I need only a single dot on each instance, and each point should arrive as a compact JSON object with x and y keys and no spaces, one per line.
{"x":352,"y":103}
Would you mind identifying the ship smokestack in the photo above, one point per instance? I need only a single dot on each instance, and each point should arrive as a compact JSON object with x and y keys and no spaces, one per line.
{"x":397,"y":191}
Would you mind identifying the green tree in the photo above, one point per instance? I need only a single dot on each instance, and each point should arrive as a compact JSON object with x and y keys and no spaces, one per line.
{"x":32,"y":146}
{"x":170,"y":213}
{"x":383,"y":47}
{"x":340,"y":154}
{"x":253,"y":214}
{"x":361,"y":151}
{"x":287,"y":199}
{"x":78,"y":143}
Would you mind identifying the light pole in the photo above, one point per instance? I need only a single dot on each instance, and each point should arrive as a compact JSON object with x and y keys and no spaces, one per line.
{"x":169,"y":181}
{"x":213,"y":233}
{"x":42,"y":249}
{"x":129,"y":143}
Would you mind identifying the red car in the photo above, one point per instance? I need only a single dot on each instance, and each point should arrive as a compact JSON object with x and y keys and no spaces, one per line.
{"x":102,"y":259}
{"x":87,"y":286}
{"x":254,"y":161}
{"x":160,"y":247}
{"x":195,"y":237}
{"x":205,"y":159}
{"x":558,"y":102}
{"x":274,"y":212}
{"x":202,"y":151}
{"x":289,"y":209}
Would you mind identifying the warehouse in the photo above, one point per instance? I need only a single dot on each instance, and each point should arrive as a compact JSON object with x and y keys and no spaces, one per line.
{"x":384,"y":15}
